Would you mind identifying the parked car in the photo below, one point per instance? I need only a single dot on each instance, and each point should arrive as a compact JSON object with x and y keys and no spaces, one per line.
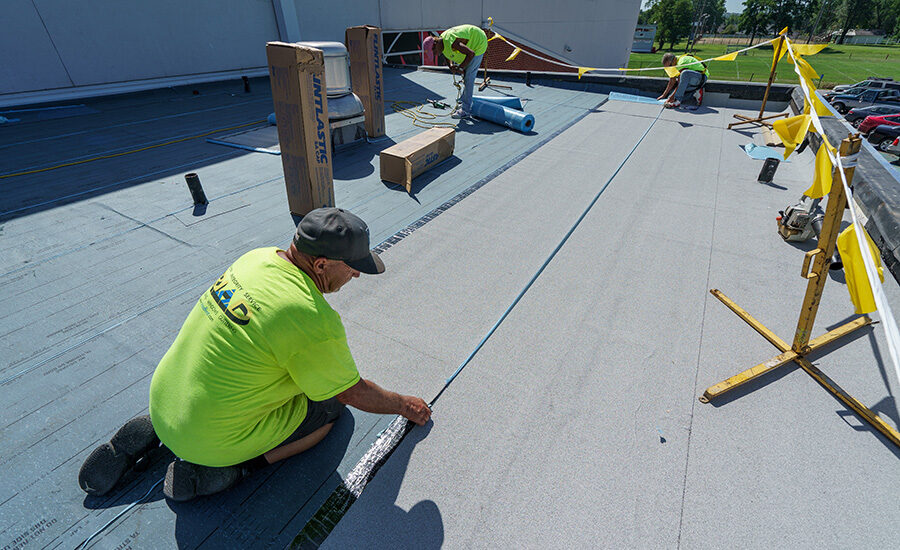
{"x":844,"y":102}
{"x":855,"y":116}
{"x":872,"y":121}
{"x":852,"y":91}
{"x":883,"y":136}
{"x":869,"y":83}
{"x":894,"y":147}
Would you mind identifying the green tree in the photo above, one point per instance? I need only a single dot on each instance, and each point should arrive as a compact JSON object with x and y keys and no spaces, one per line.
{"x":755,"y":17}
{"x":886,"y":16}
{"x":786,"y":13}
{"x":672,"y":19}
{"x":713,"y":14}
{"x":679,"y":21}
{"x":852,"y":12}
{"x":814,"y":16}
{"x":644,"y":17}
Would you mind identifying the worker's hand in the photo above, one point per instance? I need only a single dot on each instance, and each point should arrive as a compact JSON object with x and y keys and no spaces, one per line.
{"x":415,"y":409}
{"x":456,"y":69}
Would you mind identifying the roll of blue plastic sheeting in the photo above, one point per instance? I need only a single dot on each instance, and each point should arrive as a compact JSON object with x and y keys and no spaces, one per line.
{"x":511,"y":102}
{"x":272,"y":119}
{"x":517,"y":120}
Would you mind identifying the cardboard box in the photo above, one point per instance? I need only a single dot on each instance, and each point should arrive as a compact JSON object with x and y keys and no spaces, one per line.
{"x":402,"y":162}
{"x":297,"y":74}
{"x":366,"y":78}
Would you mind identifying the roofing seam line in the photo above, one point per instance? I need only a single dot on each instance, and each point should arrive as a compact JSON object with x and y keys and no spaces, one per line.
{"x":85,"y":542}
{"x":122,"y":182}
{"x":345,"y":495}
{"x":132,"y":123}
{"x":891,"y":332}
{"x":101,"y":157}
{"x":546,"y":262}
{"x":33,"y":262}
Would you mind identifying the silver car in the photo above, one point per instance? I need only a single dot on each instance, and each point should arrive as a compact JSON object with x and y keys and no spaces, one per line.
{"x":870,"y":83}
{"x":844,"y":102}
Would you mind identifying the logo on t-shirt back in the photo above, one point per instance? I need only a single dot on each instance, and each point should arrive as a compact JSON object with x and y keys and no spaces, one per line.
{"x":223,"y":293}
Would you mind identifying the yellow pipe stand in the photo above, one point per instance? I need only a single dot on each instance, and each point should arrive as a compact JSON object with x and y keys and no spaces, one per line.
{"x":802,"y":345}
{"x":760,"y":119}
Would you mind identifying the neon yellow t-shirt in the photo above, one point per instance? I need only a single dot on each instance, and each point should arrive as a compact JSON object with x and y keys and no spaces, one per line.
{"x":690,"y":63}
{"x":475,"y":38}
{"x":259,"y":343}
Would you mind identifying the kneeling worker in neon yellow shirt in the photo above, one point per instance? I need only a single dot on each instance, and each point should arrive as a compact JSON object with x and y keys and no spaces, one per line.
{"x":689,"y":82}
{"x":463,"y":47}
{"x":260,"y":370}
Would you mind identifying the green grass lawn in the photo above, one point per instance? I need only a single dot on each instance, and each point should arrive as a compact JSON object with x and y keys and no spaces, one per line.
{"x":836,"y":64}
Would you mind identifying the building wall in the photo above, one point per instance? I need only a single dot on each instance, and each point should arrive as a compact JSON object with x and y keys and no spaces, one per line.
{"x":59,"y":45}
{"x":863,"y":39}
{"x":591,"y":33}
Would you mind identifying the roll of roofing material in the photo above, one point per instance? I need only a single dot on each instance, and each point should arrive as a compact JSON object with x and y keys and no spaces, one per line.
{"x":511,"y":102}
{"x":517,"y":120}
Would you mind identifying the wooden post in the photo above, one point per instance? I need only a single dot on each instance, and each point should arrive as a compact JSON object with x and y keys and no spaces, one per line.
{"x":772,"y":75}
{"x":760,"y":119}
{"x":831,"y":225}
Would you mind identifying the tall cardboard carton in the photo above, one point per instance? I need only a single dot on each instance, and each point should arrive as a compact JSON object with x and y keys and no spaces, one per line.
{"x":402,"y":162}
{"x":366,"y":78}
{"x":297,"y":75}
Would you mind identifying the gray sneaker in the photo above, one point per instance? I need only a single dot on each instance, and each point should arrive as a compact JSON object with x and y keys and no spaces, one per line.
{"x":186,"y":481}
{"x":459,"y":112}
{"x":106,"y":464}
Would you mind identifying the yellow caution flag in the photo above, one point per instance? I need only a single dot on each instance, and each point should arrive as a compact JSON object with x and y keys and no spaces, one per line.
{"x":855,"y":271}
{"x":727,"y":57}
{"x":776,"y":54}
{"x":582,"y":70}
{"x":792,"y":131}
{"x":671,"y":71}
{"x":806,"y":70}
{"x":807,"y":49}
{"x":496,"y":35}
{"x":821,"y":109}
{"x":822,"y":182}
{"x":516,"y":52}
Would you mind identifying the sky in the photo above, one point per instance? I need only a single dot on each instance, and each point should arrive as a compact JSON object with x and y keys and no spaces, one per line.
{"x":734,"y":6}
{"x":731,"y":6}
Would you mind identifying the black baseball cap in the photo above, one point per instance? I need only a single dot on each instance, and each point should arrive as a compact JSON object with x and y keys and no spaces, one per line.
{"x":336,"y":234}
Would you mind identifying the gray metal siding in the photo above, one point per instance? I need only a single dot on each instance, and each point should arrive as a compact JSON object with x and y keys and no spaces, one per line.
{"x":123,"y":40}
{"x":105,"y":41}
{"x":599,"y":32}
{"x":424,"y":14}
{"x":328,"y":20}
{"x":30,"y":61}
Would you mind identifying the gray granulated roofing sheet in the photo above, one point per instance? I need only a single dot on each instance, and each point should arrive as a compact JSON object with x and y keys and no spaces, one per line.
{"x":578,"y":424}
{"x":100,"y":262}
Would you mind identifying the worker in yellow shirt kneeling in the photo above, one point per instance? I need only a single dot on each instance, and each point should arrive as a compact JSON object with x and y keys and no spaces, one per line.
{"x":692,"y":75}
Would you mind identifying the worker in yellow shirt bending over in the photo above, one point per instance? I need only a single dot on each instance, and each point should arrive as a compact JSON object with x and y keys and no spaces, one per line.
{"x":463,"y":47}
{"x":689,"y":82}
{"x":260,"y":370}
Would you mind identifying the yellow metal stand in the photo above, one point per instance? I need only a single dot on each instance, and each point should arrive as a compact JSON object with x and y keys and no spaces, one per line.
{"x":761,"y":120}
{"x":820,"y":258}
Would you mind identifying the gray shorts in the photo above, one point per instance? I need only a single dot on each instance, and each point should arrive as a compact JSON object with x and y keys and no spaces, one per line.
{"x":318,"y":413}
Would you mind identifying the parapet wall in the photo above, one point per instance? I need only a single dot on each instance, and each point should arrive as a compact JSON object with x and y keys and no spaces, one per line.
{"x":876,"y":187}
